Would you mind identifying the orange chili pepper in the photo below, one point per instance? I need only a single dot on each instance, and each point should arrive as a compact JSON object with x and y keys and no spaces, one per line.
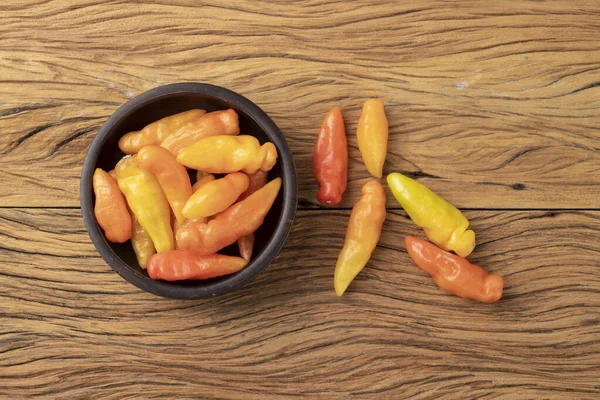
{"x":372,"y":134}
{"x":246,"y":243}
{"x":156,"y":132}
{"x":330,"y":159}
{"x":215,"y":123}
{"x":239,"y":220}
{"x":110,"y":208}
{"x":201,"y":179}
{"x":172,"y":176}
{"x":362,"y":235}
{"x":225,"y":154}
{"x":216,"y":196}
{"x":455,"y":274}
{"x":176,"y":265}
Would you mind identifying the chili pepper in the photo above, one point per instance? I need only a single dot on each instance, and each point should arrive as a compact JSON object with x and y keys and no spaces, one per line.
{"x":246,"y":243}
{"x":215,"y":123}
{"x":110,"y":208}
{"x":330,"y":159}
{"x":172,"y":176}
{"x":156,"y":132}
{"x":176,"y":265}
{"x":362,"y":235}
{"x":216,"y":196}
{"x":246,"y":246}
{"x":141,"y":243}
{"x":225,"y":154}
{"x":443,"y":223}
{"x":372,"y":136}
{"x":201,"y":179}
{"x":225,"y":228}
{"x":454,"y":274}
{"x":147,"y":201}
{"x":187,"y":222}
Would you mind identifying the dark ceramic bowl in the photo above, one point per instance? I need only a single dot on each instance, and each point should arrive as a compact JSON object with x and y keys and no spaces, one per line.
{"x":168,"y":100}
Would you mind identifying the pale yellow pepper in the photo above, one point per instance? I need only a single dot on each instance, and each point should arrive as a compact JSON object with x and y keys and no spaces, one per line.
{"x":362,"y":235}
{"x":147,"y":201}
{"x":372,"y":135}
{"x":224,"y":154}
{"x":216,"y":196}
{"x":141,"y":243}
{"x":443,"y":223}
{"x":201,"y":179}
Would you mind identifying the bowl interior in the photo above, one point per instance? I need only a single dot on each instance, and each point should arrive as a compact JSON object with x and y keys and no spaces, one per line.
{"x":173,"y":103}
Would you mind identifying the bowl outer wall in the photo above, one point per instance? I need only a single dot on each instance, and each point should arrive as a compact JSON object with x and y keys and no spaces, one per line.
{"x":203,"y":289}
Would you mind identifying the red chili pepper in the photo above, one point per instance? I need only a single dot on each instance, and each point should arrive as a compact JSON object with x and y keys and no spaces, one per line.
{"x":330,"y":159}
{"x":455,"y":274}
{"x":176,"y":265}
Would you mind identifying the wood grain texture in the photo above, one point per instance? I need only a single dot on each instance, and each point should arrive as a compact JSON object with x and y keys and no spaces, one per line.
{"x":499,"y":100}
{"x":494,"y":105}
{"x":71,"y":328}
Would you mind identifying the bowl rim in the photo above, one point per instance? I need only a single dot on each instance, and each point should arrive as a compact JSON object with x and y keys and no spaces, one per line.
{"x":228,"y":283}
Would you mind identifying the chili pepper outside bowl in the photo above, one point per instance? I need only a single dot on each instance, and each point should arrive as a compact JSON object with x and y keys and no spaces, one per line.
{"x":168,"y":100}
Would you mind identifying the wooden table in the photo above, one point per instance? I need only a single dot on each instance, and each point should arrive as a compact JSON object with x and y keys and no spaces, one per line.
{"x":494,"y":105}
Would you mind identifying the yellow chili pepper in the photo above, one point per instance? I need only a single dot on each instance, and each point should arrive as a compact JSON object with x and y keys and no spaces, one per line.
{"x":241,"y":219}
{"x":225,"y":154}
{"x":201,"y":179}
{"x":224,"y":122}
{"x":372,"y":135}
{"x":141,"y":243}
{"x":443,"y":223}
{"x":364,"y":230}
{"x":172,"y":176}
{"x":156,"y":132}
{"x":147,"y":201}
{"x":216,"y":196}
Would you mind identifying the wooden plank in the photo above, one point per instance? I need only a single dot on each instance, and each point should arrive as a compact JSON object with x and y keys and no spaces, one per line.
{"x":71,"y":328}
{"x":492,"y":105}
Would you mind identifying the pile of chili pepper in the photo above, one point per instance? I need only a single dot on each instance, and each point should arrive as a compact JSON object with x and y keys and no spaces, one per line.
{"x":176,"y":229}
{"x":442,"y":223}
